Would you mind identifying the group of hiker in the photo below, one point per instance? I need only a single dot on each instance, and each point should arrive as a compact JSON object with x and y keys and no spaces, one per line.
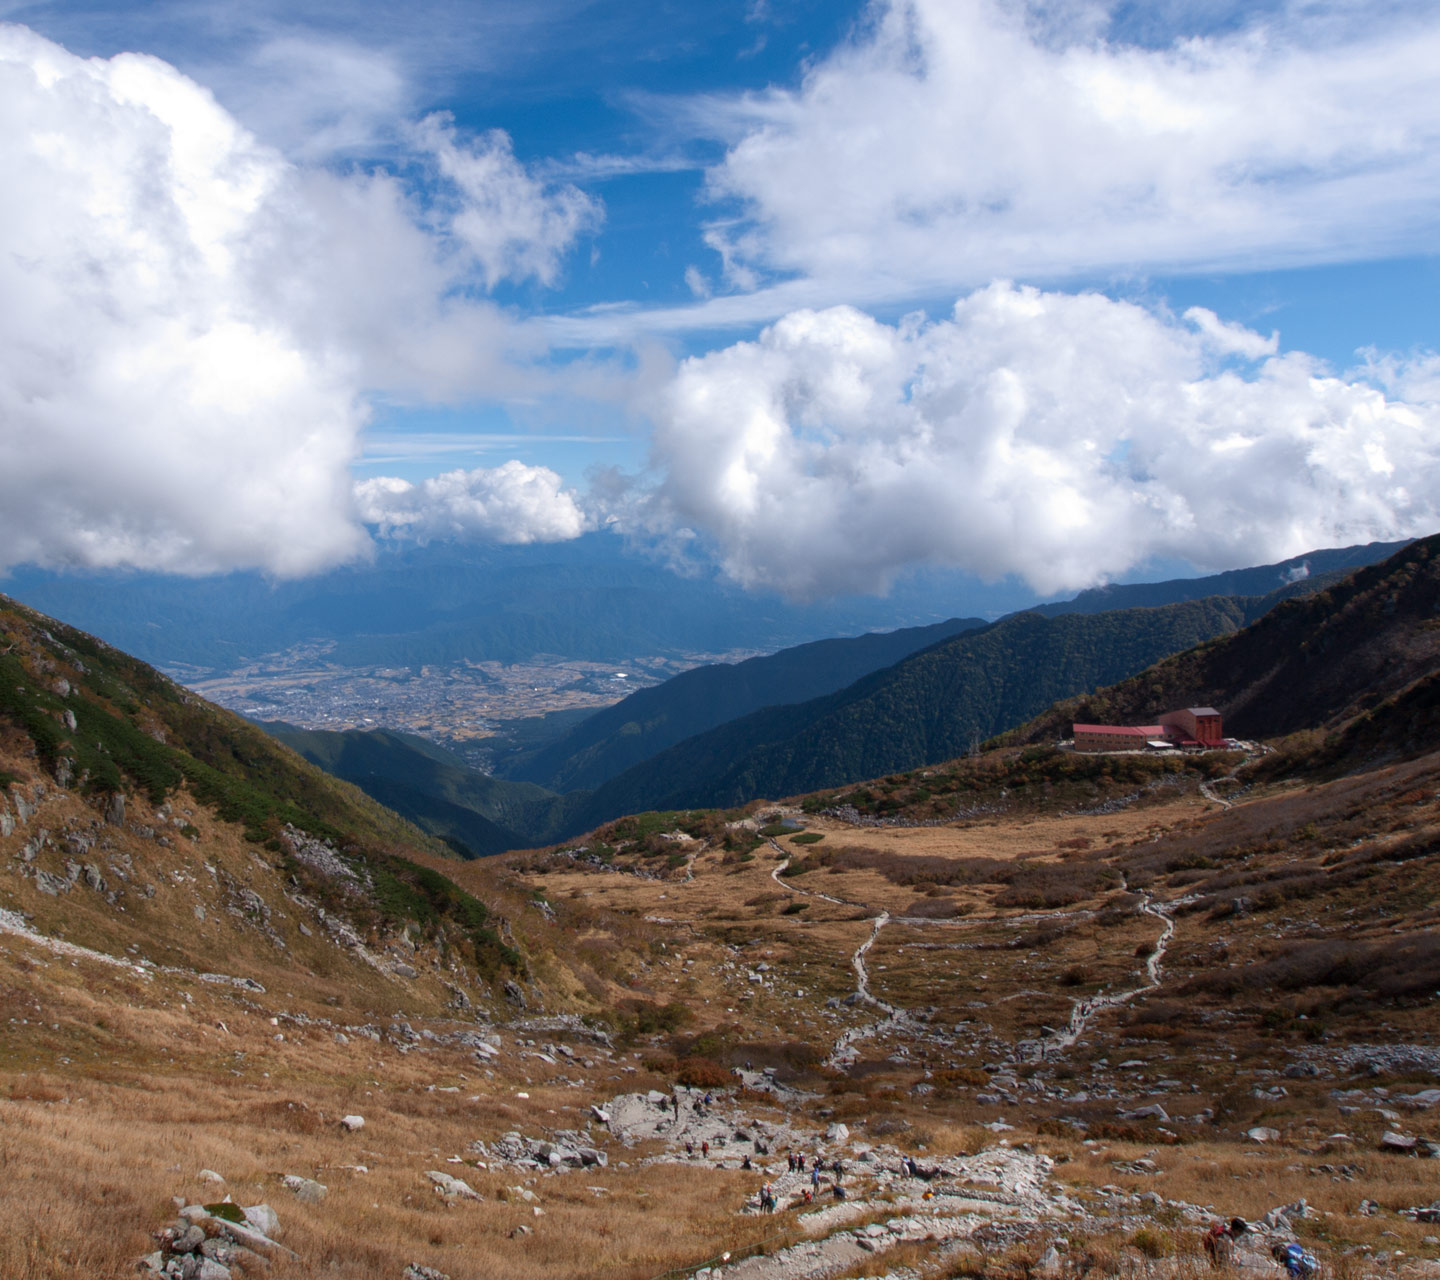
{"x":1293,"y":1257}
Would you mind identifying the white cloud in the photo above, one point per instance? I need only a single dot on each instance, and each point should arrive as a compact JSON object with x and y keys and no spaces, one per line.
{"x":953,"y":141}
{"x":191,"y":324}
{"x":512,"y":503}
{"x":1062,"y":437}
{"x":512,"y":223}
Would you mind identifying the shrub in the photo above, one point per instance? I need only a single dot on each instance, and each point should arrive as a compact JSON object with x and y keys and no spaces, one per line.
{"x":702,"y":1073}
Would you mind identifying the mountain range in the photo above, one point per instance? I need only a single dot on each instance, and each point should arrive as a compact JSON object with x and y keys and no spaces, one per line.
{"x":727,"y":734}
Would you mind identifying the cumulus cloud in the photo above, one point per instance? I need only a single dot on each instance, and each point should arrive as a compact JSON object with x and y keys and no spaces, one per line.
{"x":512,"y":503}
{"x":1062,"y":437}
{"x":192,"y":324}
{"x":953,"y":141}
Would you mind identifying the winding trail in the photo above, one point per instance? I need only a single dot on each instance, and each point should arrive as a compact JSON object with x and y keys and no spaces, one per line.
{"x":1083,"y":1011}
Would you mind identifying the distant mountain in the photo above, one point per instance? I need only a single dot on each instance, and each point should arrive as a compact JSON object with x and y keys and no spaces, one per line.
{"x":593,"y":598}
{"x":1367,"y":646}
{"x":610,"y":741}
{"x":1312,"y":567}
{"x":932,"y":706}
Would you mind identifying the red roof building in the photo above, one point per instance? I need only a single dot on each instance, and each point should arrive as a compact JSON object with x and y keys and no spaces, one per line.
{"x":1188,"y":727}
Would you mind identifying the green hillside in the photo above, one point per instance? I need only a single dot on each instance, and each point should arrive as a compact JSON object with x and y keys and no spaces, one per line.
{"x":610,"y":741}
{"x":933,"y":706}
{"x":475,"y":814}
{"x":106,"y":726}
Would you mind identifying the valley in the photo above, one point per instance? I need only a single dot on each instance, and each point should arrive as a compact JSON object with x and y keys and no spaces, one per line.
{"x":461,"y":706}
{"x":1026,"y":1013}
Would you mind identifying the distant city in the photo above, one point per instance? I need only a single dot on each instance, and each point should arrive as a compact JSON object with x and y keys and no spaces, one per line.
{"x":460,"y":706}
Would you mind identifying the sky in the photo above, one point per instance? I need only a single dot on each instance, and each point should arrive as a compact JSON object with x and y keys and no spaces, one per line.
{"x":817,"y":293}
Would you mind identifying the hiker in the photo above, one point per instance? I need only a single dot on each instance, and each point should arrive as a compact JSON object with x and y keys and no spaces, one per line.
{"x":1220,"y":1240}
{"x":1295,"y":1260}
{"x":705,"y":1150}
{"x":746,"y":1165}
{"x":839,"y":1191}
{"x":808,"y":1195}
{"x":815,"y":1177}
{"x":790,"y":1161}
{"x":708,"y":1099}
{"x":675,"y":1102}
{"x":689,"y":1148}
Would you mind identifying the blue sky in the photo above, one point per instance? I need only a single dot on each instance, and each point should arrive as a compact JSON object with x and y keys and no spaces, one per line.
{"x":819,"y":293}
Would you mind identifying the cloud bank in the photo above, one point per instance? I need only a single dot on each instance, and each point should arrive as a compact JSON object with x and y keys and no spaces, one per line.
{"x":953,"y":141}
{"x":1062,"y":437}
{"x":512,"y":503}
{"x":191,"y":324}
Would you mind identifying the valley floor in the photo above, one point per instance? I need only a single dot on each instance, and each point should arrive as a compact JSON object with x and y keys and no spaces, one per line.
{"x":1089,"y":1032}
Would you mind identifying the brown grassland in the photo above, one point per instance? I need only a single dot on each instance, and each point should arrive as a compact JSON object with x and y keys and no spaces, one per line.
{"x":1304,"y":934}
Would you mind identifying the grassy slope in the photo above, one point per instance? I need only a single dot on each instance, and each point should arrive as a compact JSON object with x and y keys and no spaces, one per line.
{"x":136,"y":734}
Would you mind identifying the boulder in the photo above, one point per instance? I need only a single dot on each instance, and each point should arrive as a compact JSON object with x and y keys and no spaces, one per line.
{"x":1152,"y":1112}
{"x":837,"y":1133}
{"x":1262,"y":1133}
{"x":416,"y":1272}
{"x":1398,"y":1143}
{"x":264,"y":1219}
{"x":447,"y":1185}
{"x":305,"y":1190}
{"x":351,"y":1123}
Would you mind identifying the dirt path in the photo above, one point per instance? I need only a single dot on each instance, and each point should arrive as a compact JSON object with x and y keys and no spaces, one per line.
{"x":1085,"y":1009}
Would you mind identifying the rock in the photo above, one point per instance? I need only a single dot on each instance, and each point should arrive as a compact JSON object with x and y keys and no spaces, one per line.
{"x":837,"y":1133}
{"x":451,"y":1186}
{"x":404,"y":970}
{"x":594,"y":1156}
{"x":515,"y":994}
{"x":209,"y":1269}
{"x":305,"y":1190}
{"x":209,"y":1175}
{"x":1048,"y":1264}
{"x":416,"y":1272}
{"x":115,"y":810}
{"x":521,"y":1230}
{"x":1153,"y":1112}
{"x":1398,"y":1143}
{"x":1262,"y":1133}
{"x":264,"y":1219}
{"x":351,"y":1123}
{"x":1300,"y":1071}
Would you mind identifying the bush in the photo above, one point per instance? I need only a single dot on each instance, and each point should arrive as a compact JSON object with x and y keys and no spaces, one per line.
{"x":702,"y":1073}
